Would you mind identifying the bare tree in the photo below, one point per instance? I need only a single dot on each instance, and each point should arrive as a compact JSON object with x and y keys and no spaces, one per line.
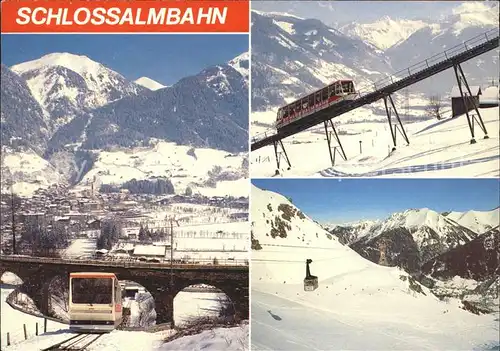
{"x":434,"y":106}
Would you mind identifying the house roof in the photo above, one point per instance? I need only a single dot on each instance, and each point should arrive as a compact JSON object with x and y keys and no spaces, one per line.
{"x":475,"y":90}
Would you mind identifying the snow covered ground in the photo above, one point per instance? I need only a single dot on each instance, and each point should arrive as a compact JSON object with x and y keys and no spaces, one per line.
{"x":80,"y":248}
{"x":191,"y":305}
{"x":28,"y":171}
{"x":172,"y":161}
{"x":437,"y":149}
{"x":358,"y":304}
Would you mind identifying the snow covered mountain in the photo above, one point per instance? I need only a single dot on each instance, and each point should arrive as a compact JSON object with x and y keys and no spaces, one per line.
{"x":467,"y":21}
{"x":384,"y":33}
{"x":477,"y":221}
{"x":209,"y":109}
{"x":479,"y":259}
{"x":66,"y":84}
{"x":354,"y":295}
{"x":24,"y":123}
{"x":241,"y":63}
{"x":388,"y":32}
{"x":149,"y":83}
{"x":405,"y":239}
{"x":293,"y":56}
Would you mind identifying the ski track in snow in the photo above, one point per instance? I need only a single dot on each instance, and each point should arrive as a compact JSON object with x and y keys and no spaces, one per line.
{"x":331,"y":172}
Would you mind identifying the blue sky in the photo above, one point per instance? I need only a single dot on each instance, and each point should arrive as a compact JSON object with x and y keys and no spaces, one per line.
{"x":164,"y":58}
{"x":340,"y":201}
{"x":360,"y":11}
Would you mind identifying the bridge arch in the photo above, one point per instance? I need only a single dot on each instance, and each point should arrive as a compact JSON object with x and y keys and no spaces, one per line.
{"x":11,"y":279}
{"x":139,"y":304}
{"x":201,"y":299}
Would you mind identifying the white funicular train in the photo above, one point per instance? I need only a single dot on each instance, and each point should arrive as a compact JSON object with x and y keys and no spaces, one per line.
{"x":95,"y":302}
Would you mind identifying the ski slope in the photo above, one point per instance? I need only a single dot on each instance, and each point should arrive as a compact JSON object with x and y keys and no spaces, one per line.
{"x":437,"y":149}
{"x":358,"y":305}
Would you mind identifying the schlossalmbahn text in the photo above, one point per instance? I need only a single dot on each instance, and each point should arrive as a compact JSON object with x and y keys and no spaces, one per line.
{"x":116,"y":16}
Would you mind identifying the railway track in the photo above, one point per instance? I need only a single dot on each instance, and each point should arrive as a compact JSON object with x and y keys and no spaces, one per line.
{"x":78,"y":342}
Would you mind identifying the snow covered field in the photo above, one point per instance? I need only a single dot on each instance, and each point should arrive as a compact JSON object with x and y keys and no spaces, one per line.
{"x":172,"y":161}
{"x":358,"y":305}
{"x":437,"y":149}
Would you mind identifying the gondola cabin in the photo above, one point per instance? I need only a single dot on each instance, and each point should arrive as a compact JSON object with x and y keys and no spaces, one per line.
{"x":95,"y":302}
{"x":310,"y":281}
{"x":335,"y":93}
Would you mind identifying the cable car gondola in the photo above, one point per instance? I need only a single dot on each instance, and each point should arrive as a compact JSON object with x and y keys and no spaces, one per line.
{"x":310,"y":281}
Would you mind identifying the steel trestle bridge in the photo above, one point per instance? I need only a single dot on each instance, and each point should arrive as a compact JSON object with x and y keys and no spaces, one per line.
{"x":451,"y":58}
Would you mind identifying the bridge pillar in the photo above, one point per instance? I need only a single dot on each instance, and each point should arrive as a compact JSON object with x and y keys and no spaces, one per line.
{"x":36,"y":287}
{"x":240,"y":299}
{"x":164,"y":307}
{"x":329,"y":135}
{"x":394,"y":128}
{"x":470,"y":120}
{"x":280,"y":154}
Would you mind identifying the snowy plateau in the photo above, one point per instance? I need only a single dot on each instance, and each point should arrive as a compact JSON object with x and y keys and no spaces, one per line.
{"x":359,"y":305}
{"x":67,"y":119}
{"x":293,"y":56}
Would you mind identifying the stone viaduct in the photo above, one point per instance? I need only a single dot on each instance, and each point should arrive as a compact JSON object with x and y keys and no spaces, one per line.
{"x":37,"y":273}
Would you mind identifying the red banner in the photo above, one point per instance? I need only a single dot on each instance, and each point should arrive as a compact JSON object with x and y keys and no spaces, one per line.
{"x":140,"y":16}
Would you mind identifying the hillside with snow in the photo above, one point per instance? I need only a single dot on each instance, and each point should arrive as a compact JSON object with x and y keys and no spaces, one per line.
{"x":293,"y":56}
{"x":355,"y":296}
{"x":186,"y":167}
{"x":24,"y":122}
{"x":477,"y":221}
{"x":149,"y":83}
{"x":208,"y":109}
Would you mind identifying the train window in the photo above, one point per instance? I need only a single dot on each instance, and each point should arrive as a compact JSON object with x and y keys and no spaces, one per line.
{"x":318,"y":97}
{"x":91,"y":290}
{"x":345,"y":87}
{"x":324,"y":94}
{"x":331,"y":90}
{"x":351,"y":84}
{"x":305,"y":103}
{"x":285,"y":111}
{"x":311,"y":100}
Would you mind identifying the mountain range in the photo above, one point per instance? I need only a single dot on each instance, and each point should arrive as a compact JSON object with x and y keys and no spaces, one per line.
{"x":413,"y":237}
{"x":292,"y":56}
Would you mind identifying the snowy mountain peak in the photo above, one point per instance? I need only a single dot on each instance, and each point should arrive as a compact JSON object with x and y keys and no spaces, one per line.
{"x":278,"y":221}
{"x":384,"y":33}
{"x":241,"y":63}
{"x":474,"y":14}
{"x":149,"y":83}
{"x":477,"y":221}
{"x":65,"y":84}
{"x":77,"y":63}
